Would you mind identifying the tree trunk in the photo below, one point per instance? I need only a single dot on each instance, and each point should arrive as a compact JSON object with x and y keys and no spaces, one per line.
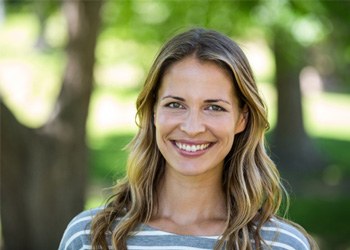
{"x":44,"y":170}
{"x":292,"y":148}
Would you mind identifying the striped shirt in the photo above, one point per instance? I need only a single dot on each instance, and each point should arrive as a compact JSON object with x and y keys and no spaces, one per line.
{"x":277,"y":235}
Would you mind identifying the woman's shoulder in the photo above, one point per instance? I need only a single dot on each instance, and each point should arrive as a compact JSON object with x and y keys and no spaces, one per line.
{"x":77,"y":233}
{"x":281,"y":234}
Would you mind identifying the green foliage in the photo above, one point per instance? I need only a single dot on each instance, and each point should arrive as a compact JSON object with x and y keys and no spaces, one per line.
{"x":154,"y":21}
{"x":302,"y":25}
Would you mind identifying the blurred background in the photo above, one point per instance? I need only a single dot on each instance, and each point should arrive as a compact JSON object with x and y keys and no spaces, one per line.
{"x":70,"y":72}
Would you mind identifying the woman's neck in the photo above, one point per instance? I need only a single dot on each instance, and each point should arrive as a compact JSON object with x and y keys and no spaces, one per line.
{"x":190,"y":205}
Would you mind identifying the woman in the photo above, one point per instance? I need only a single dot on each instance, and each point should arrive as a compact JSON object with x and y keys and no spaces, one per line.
{"x":198,"y":176}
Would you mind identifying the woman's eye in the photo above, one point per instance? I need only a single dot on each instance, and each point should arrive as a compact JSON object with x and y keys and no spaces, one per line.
{"x":174,"y":105}
{"x":216,"y":108}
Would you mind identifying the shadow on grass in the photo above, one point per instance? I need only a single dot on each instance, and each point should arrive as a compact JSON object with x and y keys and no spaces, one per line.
{"x":323,"y":206}
{"x":337,"y":151}
{"x":327,"y":216}
{"x":325,"y":219}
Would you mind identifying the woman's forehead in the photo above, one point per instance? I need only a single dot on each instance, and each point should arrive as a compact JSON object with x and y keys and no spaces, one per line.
{"x":192,"y":78}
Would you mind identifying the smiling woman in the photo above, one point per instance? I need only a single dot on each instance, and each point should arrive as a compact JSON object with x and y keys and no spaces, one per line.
{"x":198,"y":176}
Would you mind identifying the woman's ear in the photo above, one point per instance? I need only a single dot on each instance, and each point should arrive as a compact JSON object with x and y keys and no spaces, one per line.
{"x":242,"y":120}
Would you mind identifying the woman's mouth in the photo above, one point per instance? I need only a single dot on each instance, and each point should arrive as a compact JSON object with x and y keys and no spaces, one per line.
{"x":192,"y":148}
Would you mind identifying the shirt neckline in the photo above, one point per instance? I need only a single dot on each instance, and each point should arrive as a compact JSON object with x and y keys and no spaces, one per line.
{"x":144,"y":226}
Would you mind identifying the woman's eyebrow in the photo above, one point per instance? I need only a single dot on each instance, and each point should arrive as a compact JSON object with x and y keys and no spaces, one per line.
{"x":206,"y":101}
{"x":217,"y":100}
{"x":173,"y":97}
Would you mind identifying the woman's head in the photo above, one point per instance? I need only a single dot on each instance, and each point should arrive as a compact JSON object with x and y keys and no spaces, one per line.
{"x":208,"y":46}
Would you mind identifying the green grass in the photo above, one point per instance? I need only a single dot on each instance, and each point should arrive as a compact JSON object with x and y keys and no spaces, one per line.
{"x":327,"y":115}
{"x":337,"y":151}
{"x":108,"y":157}
{"x":326,"y":219}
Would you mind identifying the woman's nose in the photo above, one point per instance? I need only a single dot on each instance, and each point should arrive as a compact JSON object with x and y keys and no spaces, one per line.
{"x":193,"y":124}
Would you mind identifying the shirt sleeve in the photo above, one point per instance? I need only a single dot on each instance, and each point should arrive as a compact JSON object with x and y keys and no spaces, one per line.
{"x":278,"y":234}
{"x":77,"y":234}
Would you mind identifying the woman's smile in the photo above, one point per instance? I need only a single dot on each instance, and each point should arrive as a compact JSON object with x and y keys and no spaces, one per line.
{"x":192,"y":148}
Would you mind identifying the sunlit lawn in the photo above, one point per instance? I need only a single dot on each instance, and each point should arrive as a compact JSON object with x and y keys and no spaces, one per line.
{"x":29,"y":83}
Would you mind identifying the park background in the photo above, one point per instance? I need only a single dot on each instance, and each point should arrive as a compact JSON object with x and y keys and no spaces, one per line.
{"x":70,"y":72}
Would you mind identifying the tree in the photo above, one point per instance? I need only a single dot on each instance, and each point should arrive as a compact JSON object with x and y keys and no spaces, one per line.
{"x":43,"y":170}
{"x":293,"y":149}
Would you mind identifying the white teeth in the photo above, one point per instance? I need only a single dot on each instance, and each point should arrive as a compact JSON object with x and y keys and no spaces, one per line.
{"x":191,"y":148}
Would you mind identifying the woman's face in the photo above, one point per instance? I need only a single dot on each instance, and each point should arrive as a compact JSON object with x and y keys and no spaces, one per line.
{"x":196,"y":117}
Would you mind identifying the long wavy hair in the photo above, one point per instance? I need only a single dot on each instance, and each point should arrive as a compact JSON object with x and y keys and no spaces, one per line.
{"x":250,"y":180}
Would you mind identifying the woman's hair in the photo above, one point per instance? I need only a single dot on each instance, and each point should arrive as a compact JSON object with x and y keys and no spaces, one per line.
{"x":250,"y":179}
